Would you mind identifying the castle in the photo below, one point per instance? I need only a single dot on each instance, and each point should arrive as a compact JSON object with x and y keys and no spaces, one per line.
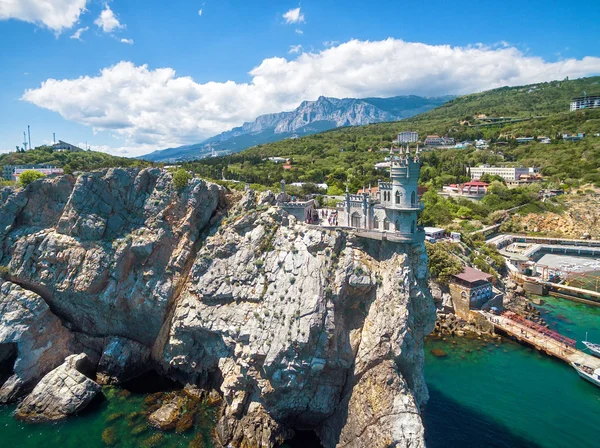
{"x":395,"y":206}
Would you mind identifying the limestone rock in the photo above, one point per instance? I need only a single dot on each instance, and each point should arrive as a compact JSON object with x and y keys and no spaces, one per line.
{"x":122,"y":360}
{"x":62,"y":392}
{"x":37,"y":336}
{"x":379,"y":411}
{"x":256,"y":428}
{"x":166,"y":416}
{"x":289,"y":317}
{"x":111,"y":255}
{"x":299,"y":327}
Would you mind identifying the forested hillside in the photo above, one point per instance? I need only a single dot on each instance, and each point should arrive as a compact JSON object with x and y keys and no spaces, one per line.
{"x":69,"y":161}
{"x":348,"y":154}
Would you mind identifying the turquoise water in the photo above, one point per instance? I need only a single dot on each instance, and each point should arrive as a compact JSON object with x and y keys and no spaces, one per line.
{"x":117,"y":421}
{"x":492,"y":394}
{"x":483,"y":394}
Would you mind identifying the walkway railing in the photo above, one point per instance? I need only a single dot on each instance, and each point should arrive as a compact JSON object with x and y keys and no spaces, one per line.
{"x":540,"y":328}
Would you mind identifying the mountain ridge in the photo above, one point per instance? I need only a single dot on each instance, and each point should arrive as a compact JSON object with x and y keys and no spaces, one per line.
{"x":309,"y":117}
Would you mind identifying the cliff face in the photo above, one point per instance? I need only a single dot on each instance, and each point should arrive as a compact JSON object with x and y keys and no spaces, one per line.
{"x":298,"y":327}
{"x":308,"y":328}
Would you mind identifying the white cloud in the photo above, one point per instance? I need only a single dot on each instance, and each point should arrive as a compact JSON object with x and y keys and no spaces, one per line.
{"x":57,"y":15}
{"x":295,"y":49}
{"x":298,"y":31}
{"x":158,"y":109}
{"x":108,"y":21}
{"x":200,"y":12}
{"x":127,"y":41}
{"x":330,"y":43}
{"x":77,"y":34}
{"x":294,"y":16}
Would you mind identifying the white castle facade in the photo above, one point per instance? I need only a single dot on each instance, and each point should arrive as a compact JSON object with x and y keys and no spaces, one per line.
{"x":396,"y":206}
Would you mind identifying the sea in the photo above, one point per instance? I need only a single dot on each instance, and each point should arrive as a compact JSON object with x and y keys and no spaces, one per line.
{"x":483,"y":393}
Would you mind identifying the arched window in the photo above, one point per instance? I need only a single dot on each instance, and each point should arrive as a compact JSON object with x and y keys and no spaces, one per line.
{"x":355,"y":220}
{"x":375,"y":223}
{"x":412,"y":227}
{"x":386,"y":224}
{"x":397,"y":197}
{"x":413,"y":199}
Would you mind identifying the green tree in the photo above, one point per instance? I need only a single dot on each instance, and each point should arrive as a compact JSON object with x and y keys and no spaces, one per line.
{"x":28,"y":176}
{"x":442,"y":264}
{"x":181,"y":179}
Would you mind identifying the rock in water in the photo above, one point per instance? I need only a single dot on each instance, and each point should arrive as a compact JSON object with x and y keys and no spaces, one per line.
{"x":38,"y":337}
{"x":299,"y":327}
{"x":166,"y":416}
{"x":438,"y":353}
{"x":122,"y":360}
{"x":62,"y":392}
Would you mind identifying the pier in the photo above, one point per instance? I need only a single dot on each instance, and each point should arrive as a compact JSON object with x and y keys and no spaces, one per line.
{"x":543,"y":339}
{"x":586,"y":296}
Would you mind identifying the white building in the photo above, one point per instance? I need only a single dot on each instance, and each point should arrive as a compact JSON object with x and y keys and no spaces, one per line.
{"x":524,"y":139}
{"x":506,"y":172}
{"x":585,"y":102}
{"x":12,"y":172}
{"x":408,"y":137}
{"x":301,"y":184}
{"x":64,"y":146}
{"x":436,"y":140}
{"x":482,"y":144}
{"x":397,"y":206}
{"x":434,"y":233}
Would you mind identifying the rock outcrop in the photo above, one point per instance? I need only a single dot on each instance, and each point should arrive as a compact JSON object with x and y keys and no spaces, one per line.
{"x":298,"y":327}
{"x":111,"y":259}
{"x":301,"y":324}
{"x":62,"y":392}
{"x":122,"y":360}
{"x":37,"y":337}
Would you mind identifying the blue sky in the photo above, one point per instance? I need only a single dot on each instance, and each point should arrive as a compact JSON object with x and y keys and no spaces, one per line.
{"x":145,"y":75}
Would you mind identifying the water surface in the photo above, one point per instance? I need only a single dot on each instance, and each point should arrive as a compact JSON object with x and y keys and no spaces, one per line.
{"x":505,"y":395}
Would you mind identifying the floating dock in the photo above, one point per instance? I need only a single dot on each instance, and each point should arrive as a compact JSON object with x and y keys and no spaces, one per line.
{"x":543,"y":339}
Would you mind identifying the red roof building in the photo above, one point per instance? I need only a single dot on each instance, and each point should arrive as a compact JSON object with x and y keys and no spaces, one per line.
{"x":472,"y":277}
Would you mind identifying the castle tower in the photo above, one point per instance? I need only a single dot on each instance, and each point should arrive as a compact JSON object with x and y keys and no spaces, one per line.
{"x":403,"y":207}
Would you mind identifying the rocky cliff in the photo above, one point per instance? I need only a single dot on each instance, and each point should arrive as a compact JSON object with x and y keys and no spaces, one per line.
{"x":298,"y":327}
{"x":308,"y":118}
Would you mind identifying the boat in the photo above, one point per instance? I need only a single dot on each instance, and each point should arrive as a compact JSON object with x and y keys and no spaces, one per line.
{"x":594,"y":348}
{"x":587,"y":373}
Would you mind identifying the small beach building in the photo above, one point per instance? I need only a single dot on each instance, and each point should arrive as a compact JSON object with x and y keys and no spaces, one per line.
{"x":470,"y":289}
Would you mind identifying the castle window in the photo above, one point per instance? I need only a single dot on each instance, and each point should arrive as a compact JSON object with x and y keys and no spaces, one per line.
{"x":386,"y":224}
{"x":412,"y":227}
{"x":397,"y":197}
{"x":413,"y":199}
{"x":356,"y":220}
{"x":398,"y":225}
{"x":375,"y":223}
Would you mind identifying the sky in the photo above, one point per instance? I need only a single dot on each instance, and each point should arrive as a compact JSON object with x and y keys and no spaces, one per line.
{"x":131,"y":76}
